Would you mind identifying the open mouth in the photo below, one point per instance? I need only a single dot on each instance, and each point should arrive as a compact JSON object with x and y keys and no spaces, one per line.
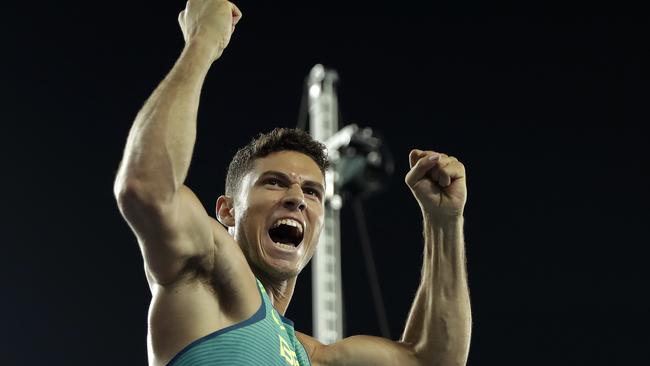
{"x":287,"y":232}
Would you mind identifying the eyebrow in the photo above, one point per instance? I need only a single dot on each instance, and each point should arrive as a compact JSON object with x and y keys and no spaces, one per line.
{"x":305,"y":183}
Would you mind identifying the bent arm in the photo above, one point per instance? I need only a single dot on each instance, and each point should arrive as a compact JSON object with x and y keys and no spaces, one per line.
{"x":169,"y":221}
{"x":438,"y":328}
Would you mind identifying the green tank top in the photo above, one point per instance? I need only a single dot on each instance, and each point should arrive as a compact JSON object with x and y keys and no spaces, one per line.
{"x":266,"y":338}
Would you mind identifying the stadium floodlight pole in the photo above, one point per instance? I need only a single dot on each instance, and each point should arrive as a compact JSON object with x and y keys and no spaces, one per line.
{"x":327,"y":297}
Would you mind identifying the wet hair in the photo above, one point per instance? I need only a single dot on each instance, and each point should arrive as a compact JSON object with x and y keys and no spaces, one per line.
{"x":280,"y":139}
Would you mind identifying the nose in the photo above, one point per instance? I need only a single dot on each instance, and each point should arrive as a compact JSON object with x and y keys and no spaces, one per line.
{"x":294,"y":199}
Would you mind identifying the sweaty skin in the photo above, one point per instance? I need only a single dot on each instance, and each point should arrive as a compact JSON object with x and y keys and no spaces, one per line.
{"x":202,"y":276}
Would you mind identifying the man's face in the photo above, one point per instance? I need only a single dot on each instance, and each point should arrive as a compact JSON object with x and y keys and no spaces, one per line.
{"x":279,"y":213}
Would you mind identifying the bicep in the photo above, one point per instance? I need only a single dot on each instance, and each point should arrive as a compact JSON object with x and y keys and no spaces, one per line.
{"x":170,"y":234}
{"x":364,"y":350}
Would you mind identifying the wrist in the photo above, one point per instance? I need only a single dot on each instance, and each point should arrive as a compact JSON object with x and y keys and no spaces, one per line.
{"x":443,"y":220}
{"x":442,"y":215}
{"x":202,"y":53}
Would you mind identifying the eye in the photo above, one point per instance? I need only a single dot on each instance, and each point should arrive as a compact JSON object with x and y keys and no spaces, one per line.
{"x":312,"y":192}
{"x":273,"y":182}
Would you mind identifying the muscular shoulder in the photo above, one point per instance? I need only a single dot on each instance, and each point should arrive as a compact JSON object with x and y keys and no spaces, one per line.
{"x":213,"y":291}
{"x":229,"y":268}
{"x":313,"y":348}
{"x":227,"y":274}
{"x":359,"y":350}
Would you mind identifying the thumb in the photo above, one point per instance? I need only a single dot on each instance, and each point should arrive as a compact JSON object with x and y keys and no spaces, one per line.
{"x":236,"y":14}
{"x":414,"y":156}
{"x":421,"y":167}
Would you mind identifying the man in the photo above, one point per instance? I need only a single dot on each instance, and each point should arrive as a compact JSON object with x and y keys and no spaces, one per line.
{"x":219,"y":296}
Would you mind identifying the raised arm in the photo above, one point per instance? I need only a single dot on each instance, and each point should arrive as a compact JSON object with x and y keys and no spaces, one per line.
{"x":438,"y":328}
{"x":169,"y":221}
{"x":439,"y":324}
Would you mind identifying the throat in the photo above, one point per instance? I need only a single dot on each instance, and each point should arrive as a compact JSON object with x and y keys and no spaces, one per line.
{"x":279,"y":292}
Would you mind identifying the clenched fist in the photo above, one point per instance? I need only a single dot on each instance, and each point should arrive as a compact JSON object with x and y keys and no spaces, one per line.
{"x":438,"y":183}
{"x":210,"y":22}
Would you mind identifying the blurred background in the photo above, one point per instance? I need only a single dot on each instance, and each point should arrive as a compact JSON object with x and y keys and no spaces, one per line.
{"x":546,"y":107}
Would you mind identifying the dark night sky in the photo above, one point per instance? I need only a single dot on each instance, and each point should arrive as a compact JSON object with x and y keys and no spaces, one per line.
{"x":546,"y":108}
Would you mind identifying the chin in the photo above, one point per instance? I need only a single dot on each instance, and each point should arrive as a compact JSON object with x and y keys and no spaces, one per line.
{"x":280,"y":273}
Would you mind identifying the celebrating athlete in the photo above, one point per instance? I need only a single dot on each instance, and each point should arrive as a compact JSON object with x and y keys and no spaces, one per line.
{"x":220,"y":287}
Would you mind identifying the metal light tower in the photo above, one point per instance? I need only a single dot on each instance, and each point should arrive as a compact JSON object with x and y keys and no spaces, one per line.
{"x":326,"y":263}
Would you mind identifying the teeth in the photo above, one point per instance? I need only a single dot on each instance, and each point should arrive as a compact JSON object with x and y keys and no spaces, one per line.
{"x":290,"y":222}
{"x":286,"y":246}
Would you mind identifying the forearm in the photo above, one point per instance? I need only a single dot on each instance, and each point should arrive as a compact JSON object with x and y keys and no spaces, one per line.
{"x":160,"y":144}
{"x":439,"y":324}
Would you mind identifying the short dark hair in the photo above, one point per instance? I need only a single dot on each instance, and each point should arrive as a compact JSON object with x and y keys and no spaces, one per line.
{"x":280,"y":139}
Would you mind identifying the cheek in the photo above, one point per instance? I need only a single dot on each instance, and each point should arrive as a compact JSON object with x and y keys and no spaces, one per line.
{"x":250,"y":207}
{"x":244,"y":225}
{"x":317,"y":218}
{"x":255,"y":211}
{"x":260,"y":199}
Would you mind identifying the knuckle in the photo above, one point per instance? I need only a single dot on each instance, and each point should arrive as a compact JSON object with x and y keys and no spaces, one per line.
{"x":408,"y":180}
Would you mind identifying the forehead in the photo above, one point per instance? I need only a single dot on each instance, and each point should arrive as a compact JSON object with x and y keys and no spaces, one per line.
{"x":294,"y":164}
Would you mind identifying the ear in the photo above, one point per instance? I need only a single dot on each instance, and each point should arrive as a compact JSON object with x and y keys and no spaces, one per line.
{"x":226,"y":211}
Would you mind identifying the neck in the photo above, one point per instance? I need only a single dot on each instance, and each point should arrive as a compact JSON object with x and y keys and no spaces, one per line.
{"x":279,"y":291}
